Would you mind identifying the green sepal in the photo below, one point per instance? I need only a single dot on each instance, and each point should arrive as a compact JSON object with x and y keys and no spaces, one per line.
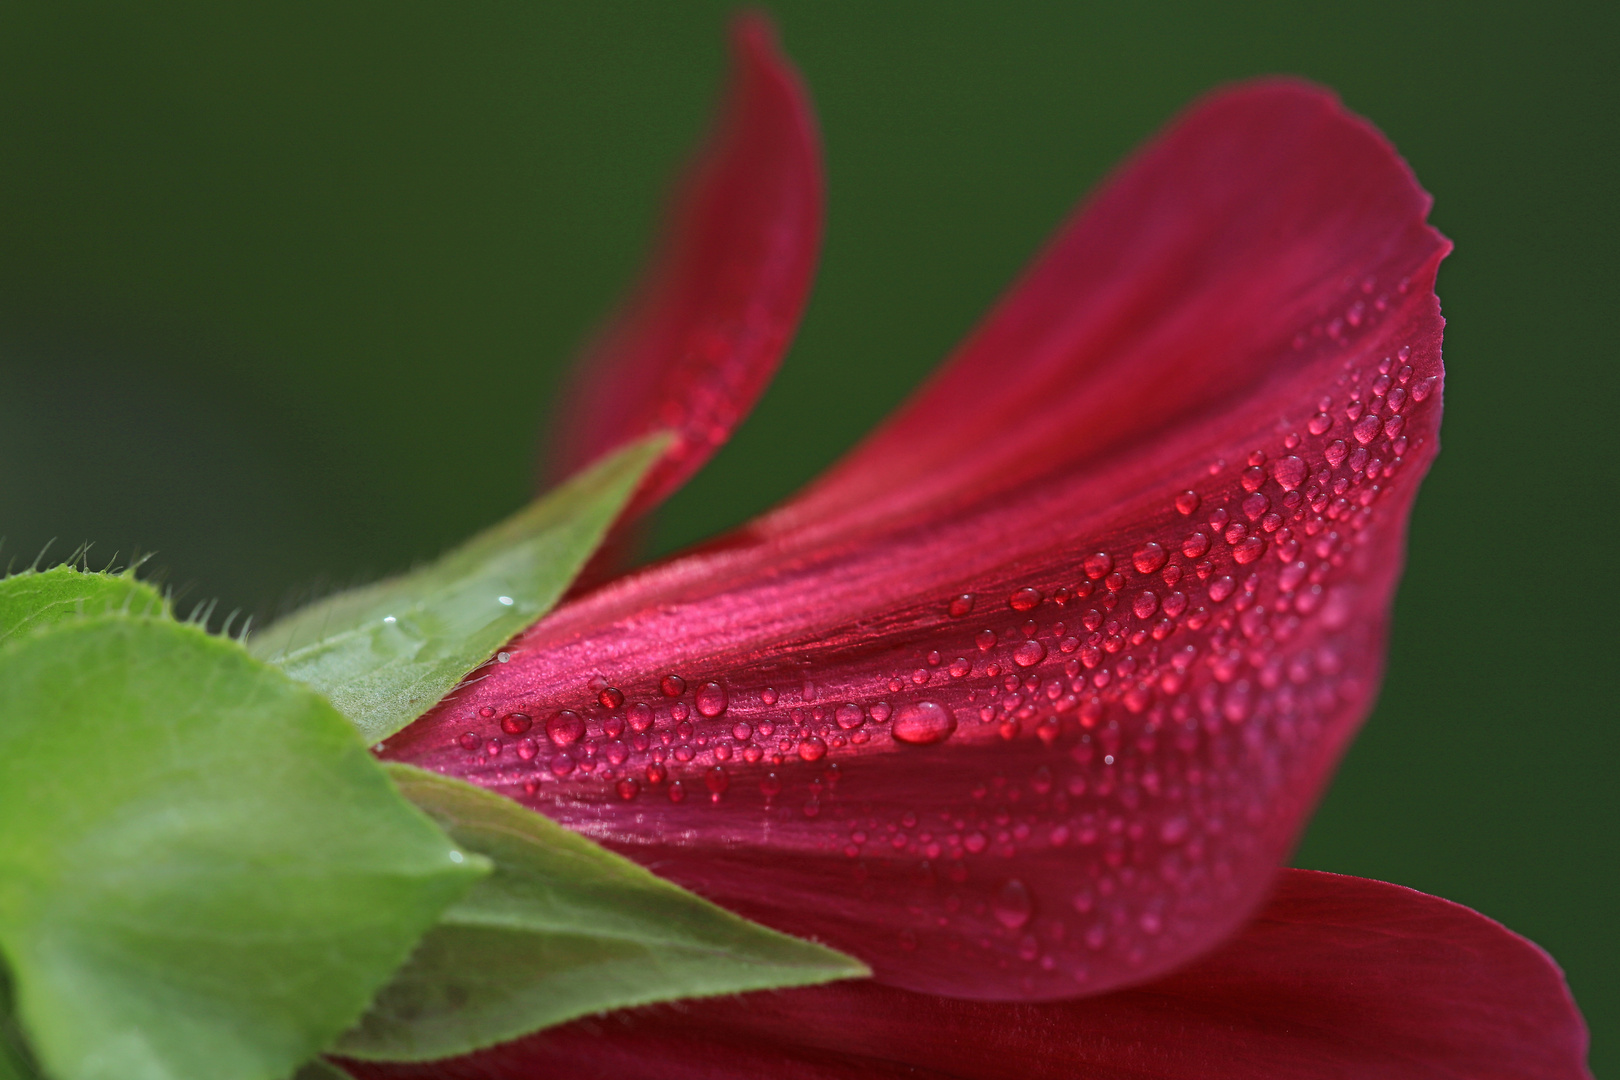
{"x":562,"y":928}
{"x":386,"y":652}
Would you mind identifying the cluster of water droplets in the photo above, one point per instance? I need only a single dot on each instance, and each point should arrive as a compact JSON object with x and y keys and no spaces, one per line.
{"x":1112,"y":746}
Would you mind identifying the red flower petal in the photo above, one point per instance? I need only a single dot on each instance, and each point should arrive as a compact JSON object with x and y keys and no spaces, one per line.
{"x":1011,"y":733}
{"x":1337,"y":977}
{"x":704,"y":331}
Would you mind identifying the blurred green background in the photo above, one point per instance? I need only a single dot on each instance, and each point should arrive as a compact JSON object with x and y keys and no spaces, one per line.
{"x":284,"y":295}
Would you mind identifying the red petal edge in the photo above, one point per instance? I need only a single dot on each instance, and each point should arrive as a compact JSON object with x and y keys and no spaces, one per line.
{"x":1337,"y":977}
{"x":704,"y":331}
{"x":1044,"y":717}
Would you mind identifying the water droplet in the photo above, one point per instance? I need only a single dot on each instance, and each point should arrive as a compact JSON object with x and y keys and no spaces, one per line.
{"x":1149,"y":557}
{"x":710,"y":699}
{"x":1195,"y":545}
{"x":1424,"y":388}
{"x":610,"y":697}
{"x":768,"y":695}
{"x":848,"y":716}
{"x":565,"y":728}
{"x":1335,"y":452}
{"x":1320,"y":423}
{"x":677,"y":792}
{"x":562,"y":764}
{"x":628,"y":788}
{"x":1221,"y":588}
{"x":516,"y":723}
{"x":922,"y":723}
{"x":1187,"y":502}
{"x":1366,"y":429}
{"x":1145,"y":605}
{"x":1289,"y":472}
{"x":640,"y":716}
{"x":880,"y":711}
{"x":1028,"y":654}
{"x":1098,"y":564}
{"x":672,"y":685}
{"x":1255,"y":505}
{"x":656,"y":773}
{"x":1025,"y":600}
{"x":1013,"y":905}
{"x":812,"y":749}
{"x":961,"y":605}
{"x":986,"y":640}
{"x":717,"y":780}
{"x":470,"y":741}
{"x":1253,"y":477}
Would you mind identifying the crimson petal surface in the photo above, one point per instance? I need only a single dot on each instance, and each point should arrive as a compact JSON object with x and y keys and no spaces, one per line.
{"x":702,"y":335}
{"x":1337,"y":977}
{"x":1046,"y":726}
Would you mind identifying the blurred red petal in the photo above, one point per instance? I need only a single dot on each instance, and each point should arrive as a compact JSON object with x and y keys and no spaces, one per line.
{"x":1337,"y":977}
{"x":1047,"y":725}
{"x":704,"y":331}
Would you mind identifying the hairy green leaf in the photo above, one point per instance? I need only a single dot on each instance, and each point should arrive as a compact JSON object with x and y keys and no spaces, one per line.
{"x":203,"y":873}
{"x":561,"y":929}
{"x":40,"y":599}
{"x":386,"y":652}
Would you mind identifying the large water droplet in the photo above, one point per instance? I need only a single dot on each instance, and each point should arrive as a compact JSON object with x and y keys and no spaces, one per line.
{"x":1013,"y":905}
{"x":1187,"y":502}
{"x":961,"y":605}
{"x":1289,"y":472}
{"x":516,"y":723}
{"x":1149,"y":557}
{"x":1028,"y":654}
{"x":672,"y":685}
{"x":710,"y":699}
{"x":921,"y":723}
{"x":1098,"y":564}
{"x":565,"y":728}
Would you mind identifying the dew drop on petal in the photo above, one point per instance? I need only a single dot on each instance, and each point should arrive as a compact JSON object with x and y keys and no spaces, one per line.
{"x":812,"y":749}
{"x":921,"y":723}
{"x":516,"y":723}
{"x":1187,"y":502}
{"x":1025,"y":600}
{"x":1029,"y":653}
{"x":628,"y":788}
{"x":1098,"y":564}
{"x":1289,"y":472}
{"x":1149,"y":557}
{"x":961,"y":605}
{"x":672,"y":685}
{"x":710,"y":699}
{"x":565,"y":728}
{"x":1335,"y":452}
{"x":848,"y":716}
{"x":1013,"y":905}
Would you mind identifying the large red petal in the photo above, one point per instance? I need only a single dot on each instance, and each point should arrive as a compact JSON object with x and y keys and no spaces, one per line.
{"x":704,"y":331}
{"x":1053,"y":732}
{"x":1338,"y":977}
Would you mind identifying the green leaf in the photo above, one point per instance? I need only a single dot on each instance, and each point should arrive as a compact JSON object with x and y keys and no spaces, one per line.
{"x":561,"y":929}
{"x":386,"y":652}
{"x":203,"y":873}
{"x":40,"y":599}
